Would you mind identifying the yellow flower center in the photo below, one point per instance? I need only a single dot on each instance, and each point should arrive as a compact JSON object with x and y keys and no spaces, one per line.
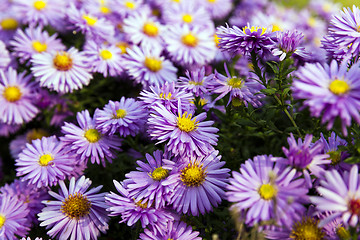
{"x":140,"y":204}
{"x":150,"y":29}
{"x":211,"y":1}
{"x":187,"y":18}
{"x":312,"y":22}
{"x":276,"y":27}
{"x":105,"y":10}
{"x":335,"y":157}
{"x":62,"y":61}
{"x":189,"y":40}
{"x":163,"y":96}
{"x":236,"y":102}
{"x":129,"y":5}
{"x":342,"y":233}
{"x":185,"y":123}
{"x":235,"y":82}
{"x":216,"y":40}
{"x":39,"y":47}
{"x":9,"y":24}
{"x":89,"y":20}
{"x":105,"y":54}
{"x":36,"y":134}
{"x":254,"y":29}
{"x":339,"y":87}
{"x":196,"y":83}
{"x":306,"y":229}
{"x":92,"y":135}
{"x":120,"y":113}
{"x":159,"y":174}
{"x":39,"y":5}
{"x":267,"y":191}
{"x":2,"y":220}
{"x":193,"y":175}
{"x":76,"y":206}
{"x":123,"y":46}
{"x":12,"y":94}
{"x":153,"y":64}
{"x":45,"y":159}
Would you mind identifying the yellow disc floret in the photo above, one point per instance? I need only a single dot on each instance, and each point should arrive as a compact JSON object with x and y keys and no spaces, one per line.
{"x":216,"y":40}
{"x":153,"y":64}
{"x":62,"y":61}
{"x":343,"y":233}
{"x":267,"y":191}
{"x":39,"y":5}
{"x":123,"y":46}
{"x":254,"y":29}
{"x":2,"y":220}
{"x":339,"y":87}
{"x":189,"y":40}
{"x":140,"y":204}
{"x":235,"y":82}
{"x":159,"y":173}
{"x":12,"y":93}
{"x":76,"y":206}
{"x":89,"y":19}
{"x":185,"y":123}
{"x":9,"y":24}
{"x":307,"y":229}
{"x":105,"y":54}
{"x":104,"y":9}
{"x":39,"y":46}
{"x":164,"y":96}
{"x":92,"y":135}
{"x":193,"y":175}
{"x":187,"y":18}
{"x":45,"y":159}
{"x":129,"y":5}
{"x":120,"y":113}
{"x":150,"y":29}
{"x":36,"y":134}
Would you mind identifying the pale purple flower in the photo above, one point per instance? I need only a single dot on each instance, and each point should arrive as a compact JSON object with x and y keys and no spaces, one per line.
{"x":287,"y":44}
{"x":218,"y":9}
{"x":196,"y":82}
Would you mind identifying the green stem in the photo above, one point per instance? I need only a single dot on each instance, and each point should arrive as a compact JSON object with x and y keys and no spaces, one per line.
{"x":257,"y":70}
{"x":288,"y":115}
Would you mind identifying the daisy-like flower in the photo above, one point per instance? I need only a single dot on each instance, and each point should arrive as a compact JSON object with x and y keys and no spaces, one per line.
{"x":132,"y":211}
{"x":176,"y":230}
{"x":29,"y":194}
{"x":330,"y":91}
{"x":305,"y":158}
{"x":87,"y":142}
{"x":93,"y":27}
{"x":34,"y":40}
{"x":62,"y":71}
{"x":4,"y":56}
{"x":189,"y":46}
{"x":167,"y":95}
{"x":104,"y":58}
{"x":267,"y":191}
{"x":339,"y":194}
{"x":44,"y":162}
{"x":42,"y":12}
{"x":198,"y":183}
{"x":144,"y":30}
{"x":186,"y":135}
{"x":146,"y":184}
{"x":77,"y":213}
{"x":218,"y":9}
{"x":148,"y":67}
{"x":287,"y":43}
{"x":196,"y":82}
{"x":13,"y":217}
{"x":126,"y":116}
{"x":16,"y":98}
{"x":244,"y":41}
{"x":345,"y":29}
{"x":8,"y":25}
{"x":245,"y":91}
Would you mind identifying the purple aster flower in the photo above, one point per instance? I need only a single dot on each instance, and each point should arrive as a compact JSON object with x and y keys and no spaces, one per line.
{"x":77,"y":212}
{"x":146,"y":184}
{"x":176,"y":230}
{"x":199,"y":184}
{"x":190,"y":46}
{"x":186,"y":135}
{"x":93,"y":27}
{"x":340,"y":194}
{"x":305,"y":158}
{"x":4,"y":56}
{"x":333,"y":50}
{"x":287,"y":43}
{"x":249,"y":39}
{"x":330,"y":91}
{"x":196,"y":82}
{"x":126,"y":116}
{"x":132,"y":211}
{"x":267,"y":191}
{"x":13,"y":217}
{"x":42,"y":12}
{"x":246,"y":91}
{"x":144,"y":30}
{"x":29,"y":194}
{"x":34,"y":40}
{"x":44,"y":162}
{"x":87,"y":142}
{"x":62,"y":71}
{"x":148,"y":67}
{"x":104,"y":58}
{"x":17,"y":97}
{"x":345,"y":29}
{"x":166,"y":95}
